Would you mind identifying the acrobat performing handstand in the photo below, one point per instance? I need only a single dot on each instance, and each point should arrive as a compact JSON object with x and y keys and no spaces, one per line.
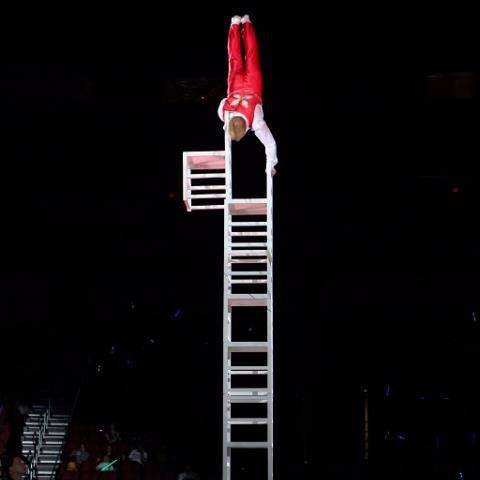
{"x":244,"y":94}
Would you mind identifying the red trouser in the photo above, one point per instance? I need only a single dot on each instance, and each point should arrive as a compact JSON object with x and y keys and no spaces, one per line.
{"x":244,"y":74}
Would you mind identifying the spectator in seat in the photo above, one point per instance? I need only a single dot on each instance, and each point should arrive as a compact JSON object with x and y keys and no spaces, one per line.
{"x":105,"y":466}
{"x":81,"y":455}
{"x":187,"y":474}
{"x":71,"y":464}
{"x":112,"y":436}
{"x":17,"y":468}
{"x":139,"y":455}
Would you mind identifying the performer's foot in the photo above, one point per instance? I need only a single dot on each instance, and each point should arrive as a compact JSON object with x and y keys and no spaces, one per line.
{"x":236,"y":20}
{"x":246,"y":19}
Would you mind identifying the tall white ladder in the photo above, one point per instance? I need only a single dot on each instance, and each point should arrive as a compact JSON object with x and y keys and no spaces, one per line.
{"x":247,"y":298}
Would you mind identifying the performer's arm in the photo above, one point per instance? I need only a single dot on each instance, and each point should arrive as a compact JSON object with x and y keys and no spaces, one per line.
{"x":264,"y":134}
{"x":220,"y":110}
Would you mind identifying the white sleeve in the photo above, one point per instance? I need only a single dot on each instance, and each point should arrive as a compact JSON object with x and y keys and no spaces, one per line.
{"x":220,"y":109}
{"x":263,"y":133}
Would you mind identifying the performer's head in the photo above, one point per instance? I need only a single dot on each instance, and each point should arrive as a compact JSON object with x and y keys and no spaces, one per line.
{"x":237,"y":128}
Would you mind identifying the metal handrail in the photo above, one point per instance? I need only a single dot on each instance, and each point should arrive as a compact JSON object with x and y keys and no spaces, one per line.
{"x":38,"y":438}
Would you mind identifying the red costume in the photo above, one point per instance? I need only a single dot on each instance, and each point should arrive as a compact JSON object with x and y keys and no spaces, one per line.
{"x":244,"y":74}
{"x":244,"y":95}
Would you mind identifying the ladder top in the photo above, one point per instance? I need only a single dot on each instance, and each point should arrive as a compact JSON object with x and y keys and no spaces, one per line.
{"x":248,"y":206}
{"x":214,"y":160}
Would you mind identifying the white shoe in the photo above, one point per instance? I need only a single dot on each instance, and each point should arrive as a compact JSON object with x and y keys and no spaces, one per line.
{"x":245,"y":19}
{"x":236,"y":20}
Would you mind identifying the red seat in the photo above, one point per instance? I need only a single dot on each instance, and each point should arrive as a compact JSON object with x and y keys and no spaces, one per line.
{"x":107,"y":476}
{"x":130,"y":470}
{"x":69,"y":475}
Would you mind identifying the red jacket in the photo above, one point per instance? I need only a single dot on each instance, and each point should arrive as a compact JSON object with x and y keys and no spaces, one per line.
{"x":243,"y":103}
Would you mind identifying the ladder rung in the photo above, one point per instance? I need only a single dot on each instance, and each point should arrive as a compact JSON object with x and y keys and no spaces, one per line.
{"x":207,"y":195}
{"x":248,"y":244}
{"x":248,"y":444}
{"x":248,"y":260}
{"x":207,"y":187}
{"x":244,"y":392}
{"x":248,"y":234}
{"x":248,"y":300}
{"x":206,"y":175}
{"x":257,"y":273}
{"x":250,"y":281}
{"x":249,"y":399}
{"x":246,"y":370}
{"x":248,"y":421}
{"x":248,"y":253}
{"x":248,"y":346}
{"x":207,"y":207}
{"x":248,"y":224}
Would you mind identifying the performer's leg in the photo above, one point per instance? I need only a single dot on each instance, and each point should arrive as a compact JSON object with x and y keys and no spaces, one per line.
{"x":235,"y":60}
{"x":253,"y":72}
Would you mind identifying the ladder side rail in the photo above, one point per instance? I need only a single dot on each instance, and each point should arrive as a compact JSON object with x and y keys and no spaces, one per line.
{"x":226,"y":428}
{"x":269,"y":193}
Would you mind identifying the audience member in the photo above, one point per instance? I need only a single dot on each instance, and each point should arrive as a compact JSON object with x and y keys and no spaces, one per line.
{"x":187,"y":474}
{"x":81,"y":455}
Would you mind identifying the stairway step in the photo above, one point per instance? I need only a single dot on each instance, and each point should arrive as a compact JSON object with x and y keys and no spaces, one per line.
{"x":248,"y":444}
{"x":38,"y":408}
{"x":248,"y":346}
{"x":31,"y":428}
{"x":49,"y":455}
{"x":49,"y":442}
{"x":248,"y":300}
{"x":45,"y":468}
{"x":49,"y":459}
{"x":256,"y":370}
{"x":32,"y":425}
{"x":248,"y":421}
{"x":55,"y":433}
{"x":51,"y":450}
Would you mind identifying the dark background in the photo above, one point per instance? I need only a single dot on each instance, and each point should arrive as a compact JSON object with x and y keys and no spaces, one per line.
{"x":376,"y":228}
